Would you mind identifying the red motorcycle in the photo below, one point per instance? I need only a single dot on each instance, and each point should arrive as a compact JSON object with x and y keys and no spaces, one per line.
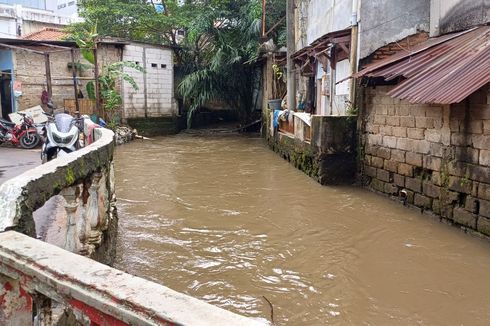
{"x":24,"y":134}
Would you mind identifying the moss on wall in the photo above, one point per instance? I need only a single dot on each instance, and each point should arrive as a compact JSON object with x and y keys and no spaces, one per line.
{"x":324,"y":168}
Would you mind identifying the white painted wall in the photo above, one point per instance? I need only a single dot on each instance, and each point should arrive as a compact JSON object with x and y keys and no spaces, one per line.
{"x":7,"y":28}
{"x":67,"y":8}
{"x":159,"y":87}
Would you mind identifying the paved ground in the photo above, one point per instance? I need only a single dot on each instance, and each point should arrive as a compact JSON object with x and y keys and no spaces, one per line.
{"x":15,"y":161}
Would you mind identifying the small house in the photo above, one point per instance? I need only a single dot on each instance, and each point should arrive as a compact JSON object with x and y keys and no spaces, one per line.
{"x":35,"y":69}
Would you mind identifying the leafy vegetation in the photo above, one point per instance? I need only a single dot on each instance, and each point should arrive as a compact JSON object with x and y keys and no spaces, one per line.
{"x":216,"y":42}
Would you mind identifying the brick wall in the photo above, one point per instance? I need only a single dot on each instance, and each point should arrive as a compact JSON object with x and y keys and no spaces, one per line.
{"x":440,"y":155}
{"x":30,"y":70}
{"x":392,"y":48}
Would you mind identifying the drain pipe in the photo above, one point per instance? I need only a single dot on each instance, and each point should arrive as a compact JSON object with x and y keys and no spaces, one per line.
{"x":404,"y":196}
{"x":291,"y":39}
{"x":353,"y":50}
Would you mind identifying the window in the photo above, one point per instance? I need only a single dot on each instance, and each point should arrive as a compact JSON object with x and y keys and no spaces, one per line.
{"x":61,"y":6}
{"x":163,"y":66}
{"x":154,"y":65}
{"x":71,"y":3}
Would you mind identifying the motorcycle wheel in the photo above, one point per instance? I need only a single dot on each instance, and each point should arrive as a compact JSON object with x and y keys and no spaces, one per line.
{"x":30,"y":140}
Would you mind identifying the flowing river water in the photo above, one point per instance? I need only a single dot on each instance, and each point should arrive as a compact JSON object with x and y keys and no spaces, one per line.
{"x":226,"y":220}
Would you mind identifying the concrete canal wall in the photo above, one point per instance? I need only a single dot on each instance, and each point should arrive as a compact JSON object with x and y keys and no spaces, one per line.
{"x":69,"y":202}
{"x":439,"y":156}
{"x":328,"y":155}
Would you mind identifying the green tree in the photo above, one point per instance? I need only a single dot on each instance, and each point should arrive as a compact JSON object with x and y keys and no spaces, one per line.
{"x":217,"y":52}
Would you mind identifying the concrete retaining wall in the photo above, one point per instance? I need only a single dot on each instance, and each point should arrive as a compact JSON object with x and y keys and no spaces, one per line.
{"x":80,"y":214}
{"x":438,"y":155}
{"x":330,"y":156}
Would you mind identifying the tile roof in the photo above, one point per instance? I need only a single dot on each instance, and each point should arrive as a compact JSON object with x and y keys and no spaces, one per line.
{"x":46,"y":34}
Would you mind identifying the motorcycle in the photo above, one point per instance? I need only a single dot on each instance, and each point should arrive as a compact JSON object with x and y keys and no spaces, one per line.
{"x":62,"y":136}
{"x":24,"y":134}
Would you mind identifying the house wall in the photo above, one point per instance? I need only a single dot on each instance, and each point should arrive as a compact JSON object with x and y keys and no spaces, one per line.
{"x":155,"y":96}
{"x":448,"y":16}
{"x":30,"y":71}
{"x":325,"y":16}
{"x":439,"y":155}
{"x":383,"y":22}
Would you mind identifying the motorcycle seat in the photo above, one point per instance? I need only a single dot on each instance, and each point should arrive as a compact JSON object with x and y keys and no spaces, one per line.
{"x":7,"y":123}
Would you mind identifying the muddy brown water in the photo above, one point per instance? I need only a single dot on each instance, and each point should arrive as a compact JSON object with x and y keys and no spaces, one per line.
{"x":226,"y":220}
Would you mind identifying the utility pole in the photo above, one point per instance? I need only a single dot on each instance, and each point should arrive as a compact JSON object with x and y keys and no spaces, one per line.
{"x":291,"y":40}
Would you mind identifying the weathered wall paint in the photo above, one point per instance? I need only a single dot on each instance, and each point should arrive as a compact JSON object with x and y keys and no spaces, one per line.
{"x":325,"y":16}
{"x":386,"y":21}
{"x":448,"y":16}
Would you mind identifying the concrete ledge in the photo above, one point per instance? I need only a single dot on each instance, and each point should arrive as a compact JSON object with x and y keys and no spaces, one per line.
{"x":96,"y":289}
{"x":22,"y":195}
{"x":161,"y":126}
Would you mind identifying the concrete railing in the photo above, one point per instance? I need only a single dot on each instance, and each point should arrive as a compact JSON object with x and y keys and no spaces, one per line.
{"x":79,"y":188}
{"x":34,"y":274}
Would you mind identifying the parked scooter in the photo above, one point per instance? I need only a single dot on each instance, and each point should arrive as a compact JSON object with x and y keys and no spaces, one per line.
{"x":61,"y":134}
{"x":24,"y":134}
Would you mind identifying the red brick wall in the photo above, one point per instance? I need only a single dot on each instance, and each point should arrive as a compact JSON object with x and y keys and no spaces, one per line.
{"x":405,"y":44}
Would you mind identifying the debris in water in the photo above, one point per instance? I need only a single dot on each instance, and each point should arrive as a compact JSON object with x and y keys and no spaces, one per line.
{"x":272,"y":308}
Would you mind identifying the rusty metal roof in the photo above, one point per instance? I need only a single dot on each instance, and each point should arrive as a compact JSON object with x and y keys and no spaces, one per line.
{"x":442,"y":70}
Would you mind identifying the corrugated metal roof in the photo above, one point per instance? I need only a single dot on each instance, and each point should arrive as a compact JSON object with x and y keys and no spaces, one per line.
{"x":443,"y":70}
